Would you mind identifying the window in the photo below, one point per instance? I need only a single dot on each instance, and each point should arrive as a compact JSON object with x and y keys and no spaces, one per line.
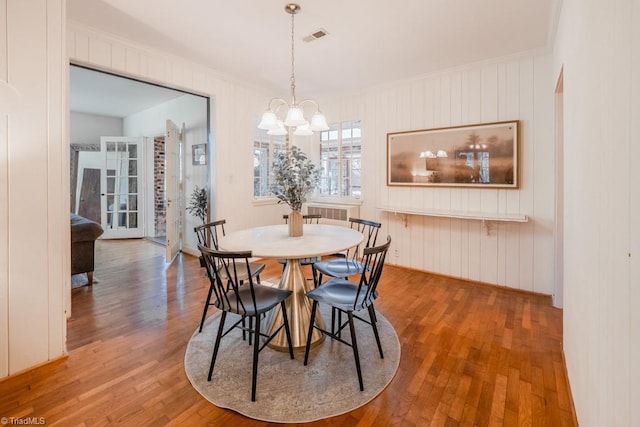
{"x":264,"y":148}
{"x":340,"y":160}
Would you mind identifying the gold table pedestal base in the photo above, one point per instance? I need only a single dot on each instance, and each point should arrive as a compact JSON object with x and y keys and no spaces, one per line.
{"x":298,"y":308}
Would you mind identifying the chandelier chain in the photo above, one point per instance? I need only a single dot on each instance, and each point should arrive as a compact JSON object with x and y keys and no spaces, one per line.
{"x":293,"y":75}
{"x":295,"y":115}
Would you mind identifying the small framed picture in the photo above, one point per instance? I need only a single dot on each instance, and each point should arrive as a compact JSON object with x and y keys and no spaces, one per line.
{"x":200,"y":154}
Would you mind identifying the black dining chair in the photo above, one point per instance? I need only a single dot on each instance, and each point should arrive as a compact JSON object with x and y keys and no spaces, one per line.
{"x":347,"y":264}
{"x":307,"y":219}
{"x":350,"y":298}
{"x":248,"y":300}
{"x":208,"y":235}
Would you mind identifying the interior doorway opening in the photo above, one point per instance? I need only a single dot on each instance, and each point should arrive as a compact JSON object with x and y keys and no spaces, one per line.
{"x":104,"y":104}
{"x":559,"y":202}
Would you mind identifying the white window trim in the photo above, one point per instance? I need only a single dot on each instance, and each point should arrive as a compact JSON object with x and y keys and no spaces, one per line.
{"x":265,"y":201}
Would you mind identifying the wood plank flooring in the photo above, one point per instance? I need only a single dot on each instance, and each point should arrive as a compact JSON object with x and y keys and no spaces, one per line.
{"x":471,"y":354}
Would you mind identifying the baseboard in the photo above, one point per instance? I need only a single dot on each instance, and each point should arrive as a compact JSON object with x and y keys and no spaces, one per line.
{"x":31,"y":368}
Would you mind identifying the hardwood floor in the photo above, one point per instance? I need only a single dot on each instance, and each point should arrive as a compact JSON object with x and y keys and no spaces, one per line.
{"x":471,"y":354}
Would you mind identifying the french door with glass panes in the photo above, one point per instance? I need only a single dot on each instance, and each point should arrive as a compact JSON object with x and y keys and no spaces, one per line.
{"x":122,"y":187}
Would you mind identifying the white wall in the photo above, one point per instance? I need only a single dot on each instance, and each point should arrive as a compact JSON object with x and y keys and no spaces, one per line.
{"x":88,"y":128}
{"x":598,"y":47}
{"x":512,"y":254}
{"x":34,"y":185}
{"x":192,"y":111}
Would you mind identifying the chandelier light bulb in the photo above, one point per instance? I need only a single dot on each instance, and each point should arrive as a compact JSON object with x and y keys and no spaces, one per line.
{"x":319,"y":122}
{"x":295,"y":117}
{"x":303,"y":130}
{"x":269,"y":121}
{"x":278,"y":130}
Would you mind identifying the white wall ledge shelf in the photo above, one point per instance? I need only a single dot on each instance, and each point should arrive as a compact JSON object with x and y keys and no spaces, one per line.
{"x":486,"y":218}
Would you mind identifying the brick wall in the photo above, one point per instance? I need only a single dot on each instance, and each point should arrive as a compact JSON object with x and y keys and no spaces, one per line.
{"x":158,"y":186}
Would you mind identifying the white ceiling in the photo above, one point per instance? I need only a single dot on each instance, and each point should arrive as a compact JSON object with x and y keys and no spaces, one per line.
{"x":107,"y":95}
{"x":370,"y":42}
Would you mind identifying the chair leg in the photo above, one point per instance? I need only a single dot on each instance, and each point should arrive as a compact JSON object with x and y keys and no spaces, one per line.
{"x":206,"y":307}
{"x":256,"y":350}
{"x":354,"y":345}
{"x":217,"y":344}
{"x":314,"y":306}
{"x":244,"y":336}
{"x":333,"y":321}
{"x":372,"y":317}
{"x":287,"y":330}
{"x":314,"y":274}
{"x":334,"y":310}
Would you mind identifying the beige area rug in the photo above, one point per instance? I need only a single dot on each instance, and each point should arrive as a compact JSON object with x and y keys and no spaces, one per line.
{"x":287,"y":391}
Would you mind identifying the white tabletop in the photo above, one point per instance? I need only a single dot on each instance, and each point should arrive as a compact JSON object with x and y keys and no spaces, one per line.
{"x":273,"y":241}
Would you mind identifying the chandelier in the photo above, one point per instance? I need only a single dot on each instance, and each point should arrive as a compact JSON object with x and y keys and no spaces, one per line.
{"x":295,"y":114}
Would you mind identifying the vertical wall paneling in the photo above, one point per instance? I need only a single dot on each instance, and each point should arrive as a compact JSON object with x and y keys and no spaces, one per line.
{"x":500,"y":230}
{"x":634,"y":214}
{"x":156,"y":69}
{"x":4,"y":190}
{"x":512,"y":231}
{"x":418,"y":120}
{"x":132,"y":61}
{"x":99,"y":52}
{"x":36,"y":196}
{"x":502,"y":90}
{"x":455,"y":203}
{"x":58,"y":181}
{"x":28,"y":158}
{"x":529,"y":169}
{"x":543,"y":177}
{"x":81,"y":48}
{"x":489,"y":97}
{"x":119,"y":58}
{"x":370,"y":156}
{"x":597,"y":49}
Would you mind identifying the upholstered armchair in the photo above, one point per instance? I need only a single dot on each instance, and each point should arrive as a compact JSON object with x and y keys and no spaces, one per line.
{"x":84,"y":233}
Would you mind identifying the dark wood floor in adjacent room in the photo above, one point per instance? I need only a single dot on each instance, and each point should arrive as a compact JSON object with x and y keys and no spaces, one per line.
{"x":471,"y":354}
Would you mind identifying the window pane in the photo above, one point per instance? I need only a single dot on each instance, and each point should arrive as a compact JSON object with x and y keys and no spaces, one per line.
{"x":340,"y":149}
{"x":264,"y":149}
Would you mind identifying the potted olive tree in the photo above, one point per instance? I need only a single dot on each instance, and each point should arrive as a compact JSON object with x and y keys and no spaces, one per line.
{"x":198,"y":205}
{"x":294,"y":178}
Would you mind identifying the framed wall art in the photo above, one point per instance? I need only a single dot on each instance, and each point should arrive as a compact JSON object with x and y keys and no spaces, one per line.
{"x":478,"y":155}
{"x":199,"y":154}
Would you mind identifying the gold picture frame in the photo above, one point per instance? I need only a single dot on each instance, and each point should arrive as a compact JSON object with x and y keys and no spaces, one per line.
{"x":477,"y":155}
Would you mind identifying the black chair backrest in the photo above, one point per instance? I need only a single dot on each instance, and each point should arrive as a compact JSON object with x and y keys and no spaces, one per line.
{"x":307,"y":218}
{"x":224,"y":271}
{"x":373,"y":259}
{"x":208,"y":233}
{"x":370,"y":231}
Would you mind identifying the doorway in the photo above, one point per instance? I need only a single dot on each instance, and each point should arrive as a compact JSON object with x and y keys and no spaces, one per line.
{"x":559,"y":202}
{"x":103,"y":104}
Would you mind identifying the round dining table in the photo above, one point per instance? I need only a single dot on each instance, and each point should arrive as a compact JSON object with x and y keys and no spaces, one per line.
{"x":273,"y":241}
